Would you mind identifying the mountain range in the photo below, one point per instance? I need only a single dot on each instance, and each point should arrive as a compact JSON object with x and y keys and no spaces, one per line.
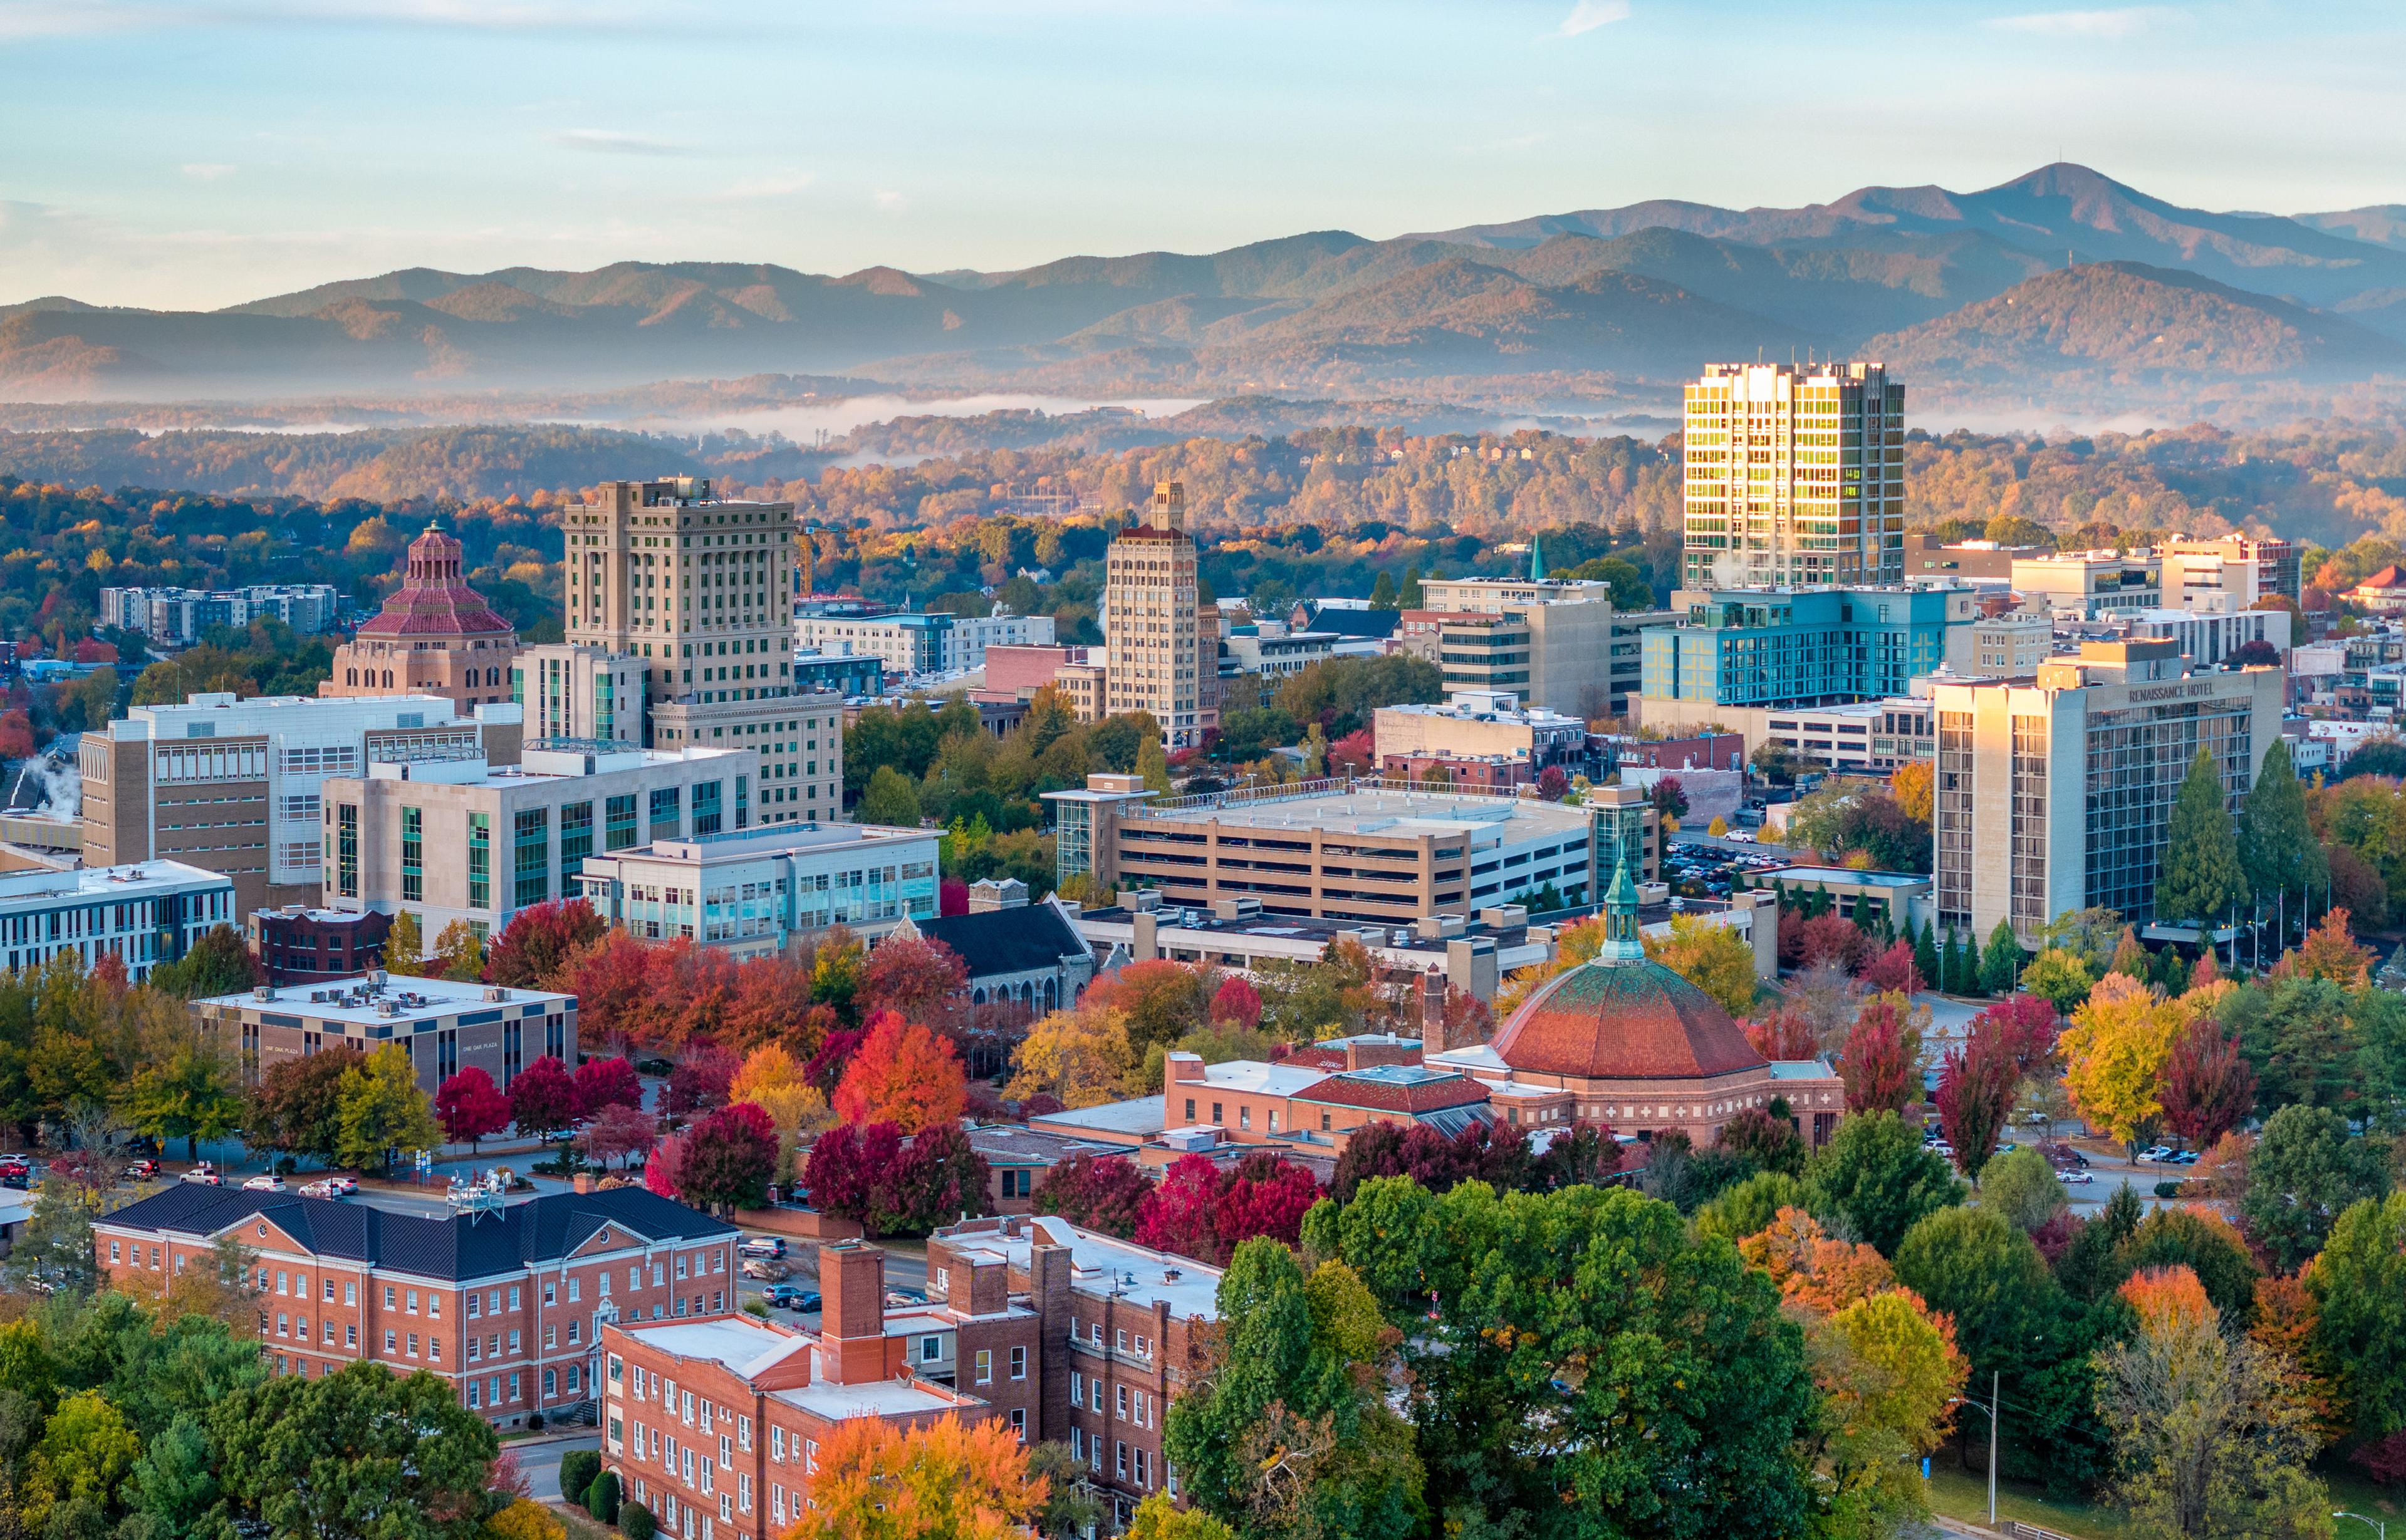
{"x":2060,"y":279}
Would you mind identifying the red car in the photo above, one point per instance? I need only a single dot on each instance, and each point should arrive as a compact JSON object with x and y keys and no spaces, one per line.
{"x":143,"y":1170}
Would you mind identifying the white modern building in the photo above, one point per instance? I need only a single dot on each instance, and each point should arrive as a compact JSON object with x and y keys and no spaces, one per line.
{"x":757,"y":892}
{"x":921,"y":644}
{"x":461,"y":839}
{"x":176,"y":618}
{"x":1476,"y":724}
{"x":1793,"y":476}
{"x":143,"y":915}
{"x":569,"y":690}
{"x":2208,"y":638}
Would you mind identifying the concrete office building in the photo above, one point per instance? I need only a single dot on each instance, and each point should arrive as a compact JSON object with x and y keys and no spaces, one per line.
{"x":1154,"y":657}
{"x":505,"y":1306}
{"x":1789,"y":648}
{"x":571,"y":691}
{"x":767,"y":890}
{"x":1269,"y":649}
{"x":1794,"y":476}
{"x":1549,"y":640}
{"x":700,"y":588}
{"x":1478,"y":725}
{"x":2012,"y":644}
{"x":2090,"y":584}
{"x":1329,"y":849}
{"x":142,"y":914}
{"x":435,"y":635}
{"x":2055,"y":792}
{"x":1874,"y":737}
{"x":234,"y":786}
{"x":461,"y":839}
{"x":908,"y":645}
{"x":2208,"y":639}
{"x":444,"y":1026}
{"x":176,"y":618}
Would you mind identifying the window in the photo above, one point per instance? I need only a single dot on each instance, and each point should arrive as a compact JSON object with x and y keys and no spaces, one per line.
{"x":1019,"y":1423}
{"x":413,"y":855}
{"x":480,"y":867}
{"x":347,"y":850}
{"x":1121,"y":1408}
{"x":530,"y":857}
{"x":476,"y":1303}
{"x":413,"y":1302}
{"x":388,"y":1296}
{"x":1019,"y":1364}
{"x":350,"y":1292}
{"x":550,"y":1383}
{"x":350,"y":1337}
{"x":930,"y":1349}
{"x":388,"y":1340}
{"x":575,"y":838}
{"x":1077,"y":1389}
{"x":985,"y":1366}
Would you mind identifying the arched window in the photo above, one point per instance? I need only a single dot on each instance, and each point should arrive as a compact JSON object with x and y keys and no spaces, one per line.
{"x":387,"y":679}
{"x":350,"y":676}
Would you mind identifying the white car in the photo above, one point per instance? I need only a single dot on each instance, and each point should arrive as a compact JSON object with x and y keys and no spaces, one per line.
{"x":1739,"y":836}
{"x":201,"y":1176}
{"x":2158,"y":1152}
{"x":266,"y":1182}
{"x":329,"y":1187}
{"x":2076,"y":1176}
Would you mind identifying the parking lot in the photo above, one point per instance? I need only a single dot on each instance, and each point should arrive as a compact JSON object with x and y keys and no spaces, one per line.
{"x":1697,"y":870}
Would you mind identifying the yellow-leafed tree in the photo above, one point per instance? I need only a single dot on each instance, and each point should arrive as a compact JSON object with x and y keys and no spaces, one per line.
{"x":2115,"y":1052}
{"x":1081,"y":1056}
{"x":947,"y":1481}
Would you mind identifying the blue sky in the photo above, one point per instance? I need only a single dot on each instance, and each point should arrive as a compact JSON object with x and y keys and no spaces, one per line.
{"x":201,"y":152}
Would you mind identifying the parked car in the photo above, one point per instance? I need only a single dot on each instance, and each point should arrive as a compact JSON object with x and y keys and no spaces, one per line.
{"x":329,"y":1187}
{"x":15,"y":1164}
{"x":787,"y":1296}
{"x":2185,"y":1157}
{"x":2076,"y":1176}
{"x":762,"y":1246}
{"x":766,"y":1271}
{"x":2155,"y":1152}
{"x":266,"y":1182}
{"x":203,"y":1175}
{"x":142,"y":1170}
{"x":18,"y":1177}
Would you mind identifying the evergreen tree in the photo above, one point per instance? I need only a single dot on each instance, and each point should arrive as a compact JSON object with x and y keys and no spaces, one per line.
{"x":2201,"y":880}
{"x":2276,"y":847}
{"x":1962,"y":964}
{"x":1410,"y":597}
{"x":1925,"y":953}
{"x":1861,"y":915}
{"x":1382,"y":593}
{"x":2001,"y":965}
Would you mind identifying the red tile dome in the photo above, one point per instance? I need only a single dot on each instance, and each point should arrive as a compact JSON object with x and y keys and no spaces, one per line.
{"x":435,"y":598}
{"x":1624,"y":1021}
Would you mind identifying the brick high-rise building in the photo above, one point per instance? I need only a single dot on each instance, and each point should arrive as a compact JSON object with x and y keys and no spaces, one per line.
{"x":435,"y":635}
{"x":700,"y":588}
{"x":1794,"y":477}
{"x":1153,"y":659}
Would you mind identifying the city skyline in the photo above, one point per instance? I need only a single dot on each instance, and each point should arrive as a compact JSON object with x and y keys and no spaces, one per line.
{"x":252,"y":149}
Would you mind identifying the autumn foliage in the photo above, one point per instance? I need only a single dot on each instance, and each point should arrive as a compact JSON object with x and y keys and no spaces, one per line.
{"x":1882,"y":1064}
{"x":903,"y":1074}
{"x":878,"y":1481}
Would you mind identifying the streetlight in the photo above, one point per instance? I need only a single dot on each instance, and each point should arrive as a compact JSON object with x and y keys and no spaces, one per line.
{"x":2378,"y":1527}
{"x":1993,"y":1402}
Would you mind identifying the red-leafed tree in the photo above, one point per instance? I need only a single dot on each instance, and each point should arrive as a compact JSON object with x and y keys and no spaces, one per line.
{"x":1237,"y":1003}
{"x":1783,"y":1035}
{"x":914,"y":978}
{"x":1893,"y":971}
{"x":1881,"y":1065}
{"x":1353,"y":754}
{"x":535,"y":950}
{"x":616,"y":998}
{"x":846,"y":1163}
{"x":952,"y":896}
{"x":16,"y":736}
{"x":1264,"y":1196}
{"x":940,"y":1178}
{"x":616,"y":1131}
{"x":1499,"y":1157}
{"x":1976,"y":1086}
{"x":1833,"y":938}
{"x":1552,"y":785}
{"x":1183,"y":1214}
{"x":699,"y":1080}
{"x":2209,"y":1087}
{"x":543,"y":1098}
{"x":607,"y":1082}
{"x":902,"y":1074}
{"x":730,"y":1158}
{"x":770,"y":1004}
{"x":2028,"y":1026}
{"x":1104,"y":1192}
{"x":663,"y":1166}
{"x":471,"y":1107}
{"x":836,"y":1049}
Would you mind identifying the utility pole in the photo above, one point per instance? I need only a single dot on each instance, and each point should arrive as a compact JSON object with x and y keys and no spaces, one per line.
{"x":1995,"y":1380}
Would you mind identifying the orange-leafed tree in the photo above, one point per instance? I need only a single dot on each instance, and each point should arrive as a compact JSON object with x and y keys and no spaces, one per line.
{"x":902,"y":1074}
{"x":2329,"y":952}
{"x":946,"y":1481}
{"x":613,"y":983}
{"x":2168,"y":1298}
{"x":914,"y":978}
{"x":1810,"y":1268}
{"x":539,"y":946}
{"x":1783,"y":1033}
{"x":772,"y":1004}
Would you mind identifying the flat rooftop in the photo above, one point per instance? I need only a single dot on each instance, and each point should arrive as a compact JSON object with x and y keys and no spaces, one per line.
{"x":740,"y":1343}
{"x":359,"y":1002}
{"x":872,"y":1398}
{"x":771,"y":839}
{"x":1397,"y":813}
{"x":1104,"y":1265}
{"x":114,"y":885}
{"x":1312,"y":930}
{"x":1846,"y":874}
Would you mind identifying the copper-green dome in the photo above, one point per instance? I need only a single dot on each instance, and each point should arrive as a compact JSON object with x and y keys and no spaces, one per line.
{"x":1624,"y":1021}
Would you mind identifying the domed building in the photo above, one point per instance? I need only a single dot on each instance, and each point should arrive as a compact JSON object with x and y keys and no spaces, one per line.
{"x":1623,"y":1041}
{"x":435,"y":635}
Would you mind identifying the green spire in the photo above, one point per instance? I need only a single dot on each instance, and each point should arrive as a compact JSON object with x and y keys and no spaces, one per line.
{"x":1621,"y":943}
{"x":1537,"y":561}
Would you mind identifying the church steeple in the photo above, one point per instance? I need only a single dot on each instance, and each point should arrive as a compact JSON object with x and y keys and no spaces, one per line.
{"x":1537,"y":561}
{"x":1623,"y":945}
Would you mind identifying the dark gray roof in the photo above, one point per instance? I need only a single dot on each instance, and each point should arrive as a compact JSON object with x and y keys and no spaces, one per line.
{"x":543,"y":1229}
{"x":1002,"y":941}
{"x":1357,"y":624}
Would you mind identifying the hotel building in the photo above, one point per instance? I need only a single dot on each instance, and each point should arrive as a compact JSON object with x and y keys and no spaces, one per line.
{"x":1794,"y":476}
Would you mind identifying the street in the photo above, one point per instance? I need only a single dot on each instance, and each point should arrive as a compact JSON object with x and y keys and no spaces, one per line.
{"x":540,"y":1460}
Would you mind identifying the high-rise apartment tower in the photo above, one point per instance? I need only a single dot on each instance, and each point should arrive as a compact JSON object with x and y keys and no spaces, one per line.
{"x":1794,"y":477}
{"x":1150,"y":635}
{"x":700,"y":588}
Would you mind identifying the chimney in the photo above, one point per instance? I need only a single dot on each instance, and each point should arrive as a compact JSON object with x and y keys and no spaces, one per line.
{"x":583,"y":1181}
{"x":1049,"y":1283}
{"x":851,"y":1282}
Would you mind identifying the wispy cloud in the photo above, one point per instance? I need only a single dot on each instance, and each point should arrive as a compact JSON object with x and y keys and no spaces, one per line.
{"x":760,"y":188}
{"x":604,"y":141}
{"x":1588,"y":15}
{"x":208,"y":171}
{"x":2127,"y":21}
{"x":891,"y":203}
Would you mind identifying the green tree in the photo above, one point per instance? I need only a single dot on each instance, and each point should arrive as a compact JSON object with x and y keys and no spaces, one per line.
{"x":1925,"y":954}
{"x":2202,"y":881}
{"x":891,"y":799}
{"x":219,"y":962}
{"x":2020,"y":1185}
{"x":1382,"y":593}
{"x":2174,"y":1237}
{"x":2059,"y":976}
{"x":1152,"y":763}
{"x":1288,"y":1432}
{"x":2277,"y":847}
{"x":404,"y":945}
{"x":76,"y":1470}
{"x":364,"y":1454}
{"x":1159,"y":1518}
{"x":381,"y":1111}
{"x":173,"y":1488}
{"x":53,"y":1252}
{"x":1876,"y":1178}
{"x":192,"y":1096}
{"x":1539,"y":1331}
{"x":2303,"y":1174}
{"x":296,"y":1107}
{"x":1410,"y":597}
{"x":1976,"y":1266}
{"x":2358,"y":1286}
{"x":2000,"y":964}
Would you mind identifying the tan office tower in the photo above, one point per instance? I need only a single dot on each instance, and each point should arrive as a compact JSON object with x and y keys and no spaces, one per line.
{"x":700,"y":588}
{"x":1150,"y":631}
{"x":1795,"y":476}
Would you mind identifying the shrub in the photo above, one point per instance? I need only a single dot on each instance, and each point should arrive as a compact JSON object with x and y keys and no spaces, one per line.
{"x":635,"y":1521}
{"x":578,"y":1469}
{"x":601,"y":1499}
{"x":534,"y":1421}
{"x":2167,"y":1189}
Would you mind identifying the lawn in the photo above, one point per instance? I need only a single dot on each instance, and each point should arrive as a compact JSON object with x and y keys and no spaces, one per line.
{"x":1965,"y":1495}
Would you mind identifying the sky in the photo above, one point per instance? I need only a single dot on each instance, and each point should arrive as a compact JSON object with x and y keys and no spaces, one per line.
{"x":197,"y":153}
